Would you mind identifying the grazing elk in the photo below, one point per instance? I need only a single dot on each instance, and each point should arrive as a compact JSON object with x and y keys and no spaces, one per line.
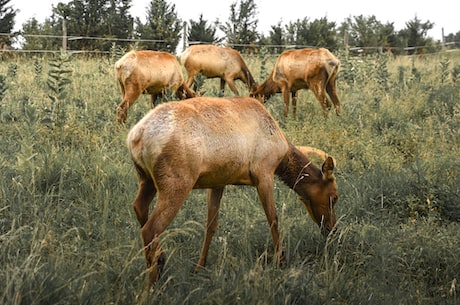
{"x":209,"y":142}
{"x":314,"y":69}
{"x":213,"y":61}
{"x":149,"y":72}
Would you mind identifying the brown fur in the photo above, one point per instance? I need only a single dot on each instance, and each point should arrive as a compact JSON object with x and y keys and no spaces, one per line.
{"x":213,"y":61}
{"x":207,"y":142}
{"x":314,"y":69}
{"x":149,"y":72}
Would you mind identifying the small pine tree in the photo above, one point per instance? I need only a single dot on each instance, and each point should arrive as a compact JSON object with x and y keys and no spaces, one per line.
{"x":200,"y":32}
{"x":163,"y":27}
{"x":241,"y":28}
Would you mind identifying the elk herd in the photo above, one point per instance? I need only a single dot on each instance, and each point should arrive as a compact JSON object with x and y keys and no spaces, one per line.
{"x":201,"y":142}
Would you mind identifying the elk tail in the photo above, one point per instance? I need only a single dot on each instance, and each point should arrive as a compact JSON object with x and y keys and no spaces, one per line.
{"x":332,"y":69}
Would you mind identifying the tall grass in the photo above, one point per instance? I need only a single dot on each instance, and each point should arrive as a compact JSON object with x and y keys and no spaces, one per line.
{"x":68,"y":234}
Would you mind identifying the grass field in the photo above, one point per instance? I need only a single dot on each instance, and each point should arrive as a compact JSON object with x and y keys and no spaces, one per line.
{"x":68,"y":234}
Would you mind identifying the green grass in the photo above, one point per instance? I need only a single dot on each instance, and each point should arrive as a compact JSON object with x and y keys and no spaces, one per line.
{"x":68,"y":234}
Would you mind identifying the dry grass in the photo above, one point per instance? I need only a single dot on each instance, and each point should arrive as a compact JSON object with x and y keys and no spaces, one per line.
{"x":68,"y":233}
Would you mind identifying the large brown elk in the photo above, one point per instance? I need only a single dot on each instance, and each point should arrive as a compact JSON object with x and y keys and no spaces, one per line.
{"x":210,"y":142}
{"x":217,"y":62}
{"x":314,"y":69}
{"x":149,"y":72}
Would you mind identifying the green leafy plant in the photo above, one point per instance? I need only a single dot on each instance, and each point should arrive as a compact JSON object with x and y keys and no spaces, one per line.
{"x":58,"y":82}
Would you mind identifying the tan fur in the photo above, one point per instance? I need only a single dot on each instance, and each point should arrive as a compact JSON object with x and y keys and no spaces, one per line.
{"x":207,"y":142}
{"x":312,"y":152}
{"x":149,"y":72}
{"x":213,"y":61}
{"x":314,"y":69}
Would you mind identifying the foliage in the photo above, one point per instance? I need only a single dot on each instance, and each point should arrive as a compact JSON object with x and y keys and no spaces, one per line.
{"x":200,"y":32}
{"x":119,"y":22}
{"x":317,"y":33}
{"x":58,"y":82}
{"x":276,"y":39}
{"x":162,"y":27}
{"x":35,"y":34}
{"x":84,"y":20}
{"x":94,"y":25}
{"x":241,"y":28}
{"x":7,"y":15}
{"x":3,"y":87}
{"x":367,"y":31}
{"x":453,"y":39}
{"x":68,"y":233}
{"x":415,"y":34}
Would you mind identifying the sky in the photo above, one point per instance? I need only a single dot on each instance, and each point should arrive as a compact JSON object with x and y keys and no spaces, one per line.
{"x":440,"y":12}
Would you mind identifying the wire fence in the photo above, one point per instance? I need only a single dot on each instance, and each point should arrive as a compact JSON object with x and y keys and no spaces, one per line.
{"x":441,"y":46}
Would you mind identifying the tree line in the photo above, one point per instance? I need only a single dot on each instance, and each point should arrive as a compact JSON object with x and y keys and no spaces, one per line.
{"x":95,"y":24}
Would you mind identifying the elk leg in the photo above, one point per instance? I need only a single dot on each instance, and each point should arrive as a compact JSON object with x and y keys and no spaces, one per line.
{"x":222,"y":86}
{"x":214,"y":197}
{"x":320,"y":94}
{"x":153,"y":98}
{"x":129,"y":97}
{"x":144,"y":197}
{"x":191,"y":79}
{"x":265,"y":191}
{"x":332,"y":92}
{"x":165,"y":210}
{"x":232,"y":86}
{"x":286,"y":93}
{"x":294,"y":103}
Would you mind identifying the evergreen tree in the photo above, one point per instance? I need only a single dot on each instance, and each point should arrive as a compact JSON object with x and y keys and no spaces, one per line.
{"x":415,"y":34}
{"x":241,"y":28}
{"x":86,"y":19}
{"x":365,"y":31}
{"x":7,"y":15}
{"x":200,"y":32}
{"x":369,"y":33}
{"x":35,"y":33}
{"x":453,"y":39}
{"x":32,"y":27}
{"x":322,"y":33}
{"x":277,"y":38}
{"x":319,"y":33}
{"x":163,"y":27}
{"x":119,"y":21}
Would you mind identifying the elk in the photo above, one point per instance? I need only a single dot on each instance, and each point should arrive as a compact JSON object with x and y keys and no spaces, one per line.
{"x":211,"y":142}
{"x":148,"y":72}
{"x":213,"y":61}
{"x":314,"y":69}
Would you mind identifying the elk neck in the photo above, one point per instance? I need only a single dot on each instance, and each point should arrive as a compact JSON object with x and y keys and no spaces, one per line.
{"x":296,"y":169}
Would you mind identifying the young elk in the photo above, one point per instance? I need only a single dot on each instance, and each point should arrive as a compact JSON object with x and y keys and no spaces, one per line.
{"x":217,"y":62}
{"x":314,"y":69}
{"x":207,"y":142}
{"x":149,"y":72}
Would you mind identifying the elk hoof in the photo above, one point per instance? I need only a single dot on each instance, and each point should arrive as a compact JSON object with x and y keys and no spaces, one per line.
{"x":282,"y":261}
{"x":156,"y":269}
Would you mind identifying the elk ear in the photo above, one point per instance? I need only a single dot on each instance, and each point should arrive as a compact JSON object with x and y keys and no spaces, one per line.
{"x":328,"y":168}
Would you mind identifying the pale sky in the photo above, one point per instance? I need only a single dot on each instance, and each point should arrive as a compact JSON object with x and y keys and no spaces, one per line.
{"x":443,"y":13}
